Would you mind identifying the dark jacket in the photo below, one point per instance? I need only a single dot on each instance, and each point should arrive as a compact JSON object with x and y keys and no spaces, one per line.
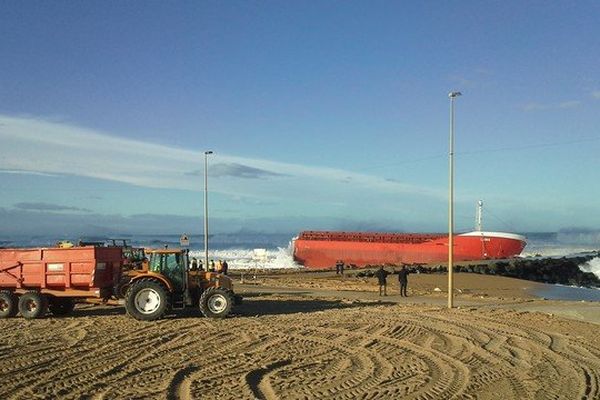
{"x":403,"y":275}
{"x":381,"y":275}
{"x":225,"y":267}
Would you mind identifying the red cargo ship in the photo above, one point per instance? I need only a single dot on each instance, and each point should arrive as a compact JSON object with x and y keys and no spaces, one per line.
{"x":322,"y":249}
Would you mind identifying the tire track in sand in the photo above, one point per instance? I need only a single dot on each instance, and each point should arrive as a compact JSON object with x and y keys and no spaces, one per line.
{"x":367,"y":351}
{"x":258,"y":380}
{"x":179,"y":388}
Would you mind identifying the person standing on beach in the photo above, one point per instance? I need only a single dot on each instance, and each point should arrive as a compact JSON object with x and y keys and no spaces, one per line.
{"x":225,"y":267}
{"x":342,"y":267}
{"x":403,"y":280}
{"x":381,"y":275}
{"x":337,"y":267}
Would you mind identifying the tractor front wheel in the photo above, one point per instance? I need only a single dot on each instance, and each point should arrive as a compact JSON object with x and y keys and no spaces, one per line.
{"x":147,"y":300}
{"x":216,"y":303}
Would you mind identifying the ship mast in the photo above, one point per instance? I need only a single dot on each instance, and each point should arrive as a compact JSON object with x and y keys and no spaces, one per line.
{"x":479,"y":215}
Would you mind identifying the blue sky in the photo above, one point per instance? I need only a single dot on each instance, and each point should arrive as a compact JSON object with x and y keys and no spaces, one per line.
{"x":322,"y":115}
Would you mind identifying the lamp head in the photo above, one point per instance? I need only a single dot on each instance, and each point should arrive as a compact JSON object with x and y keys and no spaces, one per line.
{"x":454,"y":94}
{"x":208,"y":152}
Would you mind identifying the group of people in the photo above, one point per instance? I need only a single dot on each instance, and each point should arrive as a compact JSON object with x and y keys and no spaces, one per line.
{"x":220,"y":266}
{"x":381,"y":275}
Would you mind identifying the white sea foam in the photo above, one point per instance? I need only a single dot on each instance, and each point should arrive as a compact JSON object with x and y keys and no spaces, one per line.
{"x":554,"y":250}
{"x":592,"y":266}
{"x":246,"y":259}
{"x":563,"y":243}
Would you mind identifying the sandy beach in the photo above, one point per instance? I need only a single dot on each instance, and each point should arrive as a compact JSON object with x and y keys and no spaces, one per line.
{"x":181,"y":180}
{"x":466,"y":285}
{"x":316,"y":336}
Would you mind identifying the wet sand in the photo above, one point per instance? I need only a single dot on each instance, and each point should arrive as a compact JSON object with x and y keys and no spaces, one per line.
{"x":314,"y":336}
{"x":466,"y":285}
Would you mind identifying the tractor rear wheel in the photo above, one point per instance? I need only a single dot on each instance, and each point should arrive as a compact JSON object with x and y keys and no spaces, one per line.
{"x":8,"y":304}
{"x":147,"y":300}
{"x":32,"y":305}
{"x":216,"y":302}
{"x":60,"y":306}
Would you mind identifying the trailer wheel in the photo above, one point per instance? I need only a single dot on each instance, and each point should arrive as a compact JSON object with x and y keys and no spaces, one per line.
{"x":216,"y":303}
{"x":32,"y":305}
{"x":60,"y":306}
{"x":8,"y":304}
{"x":147,"y":300}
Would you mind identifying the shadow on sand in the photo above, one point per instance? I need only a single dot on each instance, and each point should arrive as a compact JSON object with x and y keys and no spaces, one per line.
{"x":254,"y":304}
{"x":88,"y":310}
{"x":265,"y":306}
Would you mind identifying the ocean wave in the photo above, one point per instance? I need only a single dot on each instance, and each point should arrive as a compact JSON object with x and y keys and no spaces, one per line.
{"x":578,"y":236}
{"x":555,"y":250}
{"x":247,"y":259}
{"x":592,"y":266}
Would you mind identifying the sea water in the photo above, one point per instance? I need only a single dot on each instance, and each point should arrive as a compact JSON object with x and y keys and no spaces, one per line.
{"x":567,"y":243}
{"x":274,"y":250}
{"x":242,"y":250}
{"x":248,"y":250}
{"x":561,"y":244}
{"x":561,"y":292}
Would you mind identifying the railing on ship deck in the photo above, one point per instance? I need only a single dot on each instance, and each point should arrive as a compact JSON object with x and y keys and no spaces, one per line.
{"x":369,"y":237}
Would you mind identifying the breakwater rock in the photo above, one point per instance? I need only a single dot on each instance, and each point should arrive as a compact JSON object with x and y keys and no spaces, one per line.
{"x":563,"y":271}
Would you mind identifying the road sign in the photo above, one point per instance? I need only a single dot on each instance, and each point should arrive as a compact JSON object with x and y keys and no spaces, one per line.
{"x":184,"y":240}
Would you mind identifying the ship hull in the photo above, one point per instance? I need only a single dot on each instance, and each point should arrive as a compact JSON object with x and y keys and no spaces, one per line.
{"x":325,"y":249}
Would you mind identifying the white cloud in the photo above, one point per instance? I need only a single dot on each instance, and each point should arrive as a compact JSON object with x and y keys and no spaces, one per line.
{"x":570,"y":104}
{"x":473,"y":78}
{"x":18,"y":172}
{"x":534,"y":106}
{"x":38,"y":146}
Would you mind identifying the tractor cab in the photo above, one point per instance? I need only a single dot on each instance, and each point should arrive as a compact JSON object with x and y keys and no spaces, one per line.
{"x":171,"y":264}
{"x":165,"y":282}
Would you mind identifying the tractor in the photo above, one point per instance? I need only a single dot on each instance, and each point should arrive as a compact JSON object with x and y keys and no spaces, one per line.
{"x":165,"y":282}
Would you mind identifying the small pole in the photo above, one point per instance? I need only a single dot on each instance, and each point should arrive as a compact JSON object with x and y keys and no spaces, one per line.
{"x":206,"y":153}
{"x":452,"y":96}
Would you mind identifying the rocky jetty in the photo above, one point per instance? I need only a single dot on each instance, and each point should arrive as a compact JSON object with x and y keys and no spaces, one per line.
{"x":563,"y":270}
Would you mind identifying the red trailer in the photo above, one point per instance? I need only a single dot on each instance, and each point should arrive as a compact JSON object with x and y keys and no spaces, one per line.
{"x":34,"y":280}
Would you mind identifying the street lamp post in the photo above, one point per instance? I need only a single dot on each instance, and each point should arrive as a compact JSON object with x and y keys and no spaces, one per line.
{"x":206,"y":153}
{"x":452,"y":96}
